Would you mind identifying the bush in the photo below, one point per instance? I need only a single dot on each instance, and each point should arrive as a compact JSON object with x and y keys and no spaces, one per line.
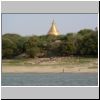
{"x":83,"y":43}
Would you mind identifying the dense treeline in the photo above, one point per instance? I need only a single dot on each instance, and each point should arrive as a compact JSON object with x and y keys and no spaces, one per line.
{"x":82,"y":43}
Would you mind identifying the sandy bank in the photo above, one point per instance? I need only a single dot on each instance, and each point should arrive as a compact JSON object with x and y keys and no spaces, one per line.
{"x":46,"y":69}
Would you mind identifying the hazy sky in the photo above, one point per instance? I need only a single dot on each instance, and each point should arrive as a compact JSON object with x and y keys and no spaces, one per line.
{"x":39,"y":24}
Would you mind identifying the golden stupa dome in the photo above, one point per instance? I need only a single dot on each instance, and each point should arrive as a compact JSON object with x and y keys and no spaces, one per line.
{"x":53,"y":30}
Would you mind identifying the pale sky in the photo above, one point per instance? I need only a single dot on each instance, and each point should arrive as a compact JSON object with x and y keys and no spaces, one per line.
{"x":39,"y":24}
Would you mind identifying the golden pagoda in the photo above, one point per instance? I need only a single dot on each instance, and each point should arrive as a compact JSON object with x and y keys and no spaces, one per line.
{"x":53,"y":30}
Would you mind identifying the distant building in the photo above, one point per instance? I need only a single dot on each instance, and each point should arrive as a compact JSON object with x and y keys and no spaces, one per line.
{"x":53,"y":30}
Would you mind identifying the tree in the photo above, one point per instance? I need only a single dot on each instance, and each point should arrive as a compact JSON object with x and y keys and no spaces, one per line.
{"x":83,"y":43}
{"x":87,"y":42}
{"x":85,"y":32}
{"x":8,"y":48}
{"x":21,"y":45}
{"x":31,"y":47}
{"x":15,"y":39}
{"x":68,"y":45}
{"x":33,"y":52}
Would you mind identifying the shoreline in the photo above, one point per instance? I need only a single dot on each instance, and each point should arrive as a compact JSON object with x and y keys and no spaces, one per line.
{"x":47,"y":69}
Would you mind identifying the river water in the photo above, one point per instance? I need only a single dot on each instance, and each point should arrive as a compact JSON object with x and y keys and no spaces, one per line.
{"x":49,"y":79}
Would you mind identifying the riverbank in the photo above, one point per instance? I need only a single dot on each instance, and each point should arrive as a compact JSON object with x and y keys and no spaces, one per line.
{"x":50,"y":65}
{"x":25,"y":69}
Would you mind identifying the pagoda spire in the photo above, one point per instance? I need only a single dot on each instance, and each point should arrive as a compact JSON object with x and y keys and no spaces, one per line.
{"x":53,"y":29}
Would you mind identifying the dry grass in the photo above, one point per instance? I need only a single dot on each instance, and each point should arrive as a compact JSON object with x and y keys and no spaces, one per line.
{"x":60,"y":61}
{"x":66,"y":64}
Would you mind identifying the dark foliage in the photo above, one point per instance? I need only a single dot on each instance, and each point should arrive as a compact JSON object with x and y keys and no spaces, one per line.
{"x":83,"y":43}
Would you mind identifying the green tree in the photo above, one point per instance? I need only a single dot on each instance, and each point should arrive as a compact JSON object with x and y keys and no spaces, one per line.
{"x":15,"y":39}
{"x":87,"y":43}
{"x":85,"y":32}
{"x":68,"y":45}
{"x":31,"y":47}
{"x":33,"y":52}
{"x":8,"y":48}
{"x":21,"y":45}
